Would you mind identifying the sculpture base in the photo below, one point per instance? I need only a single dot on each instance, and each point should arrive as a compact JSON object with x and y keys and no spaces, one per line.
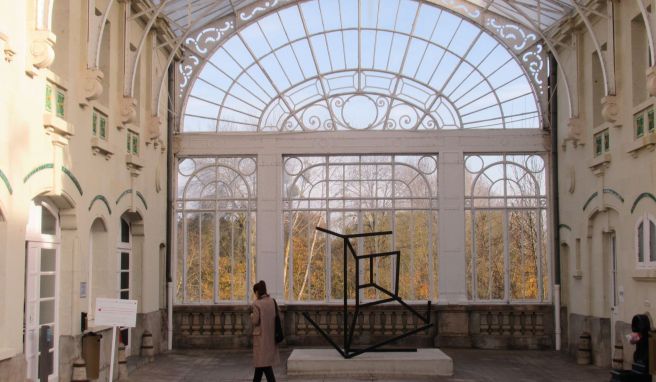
{"x":329,"y":363}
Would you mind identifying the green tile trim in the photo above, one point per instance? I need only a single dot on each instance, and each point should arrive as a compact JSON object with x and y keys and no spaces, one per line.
{"x":35,"y":170}
{"x":143,"y":199}
{"x":642,"y":196}
{"x":564,"y":226}
{"x":66,"y":171}
{"x":73,"y":179}
{"x":128,"y":191}
{"x":614,"y":193}
{"x":6,"y":182}
{"x":102,"y":199}
{"x":594,"y":195}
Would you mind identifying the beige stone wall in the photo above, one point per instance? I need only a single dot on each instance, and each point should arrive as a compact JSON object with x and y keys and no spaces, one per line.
{"x":25,"y":144}
{"x":618,"y":179}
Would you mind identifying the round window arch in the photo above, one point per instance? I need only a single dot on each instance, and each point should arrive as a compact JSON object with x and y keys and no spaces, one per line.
{"x":326,"y":65}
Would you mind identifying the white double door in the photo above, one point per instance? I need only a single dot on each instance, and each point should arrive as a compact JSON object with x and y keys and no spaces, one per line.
{"x":41,"y":311}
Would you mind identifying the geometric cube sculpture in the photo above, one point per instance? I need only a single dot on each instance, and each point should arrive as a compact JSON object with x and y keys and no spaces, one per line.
{"x":346,"y":350}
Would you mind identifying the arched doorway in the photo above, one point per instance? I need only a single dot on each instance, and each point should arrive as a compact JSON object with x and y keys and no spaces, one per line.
{"x":41,"y":292}
{"x":100,"y":266}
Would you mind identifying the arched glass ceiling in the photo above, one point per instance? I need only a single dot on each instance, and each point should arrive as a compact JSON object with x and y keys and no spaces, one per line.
{"x":380,"y":65}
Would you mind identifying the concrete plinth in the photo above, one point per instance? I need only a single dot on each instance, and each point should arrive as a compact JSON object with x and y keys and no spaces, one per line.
{"x":328,"y":363}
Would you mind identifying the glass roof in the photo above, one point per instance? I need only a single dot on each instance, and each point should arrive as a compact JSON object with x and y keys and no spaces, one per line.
{"x":383,"y":65}
{"x":193,"y":14}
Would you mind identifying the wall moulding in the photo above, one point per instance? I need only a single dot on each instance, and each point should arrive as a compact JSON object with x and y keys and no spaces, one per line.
{"x":91,"y":86}
{"x":41,"y":51}
{"x":128,"y":111}
{"x":6,"y":47}
{"x":610,"y":110}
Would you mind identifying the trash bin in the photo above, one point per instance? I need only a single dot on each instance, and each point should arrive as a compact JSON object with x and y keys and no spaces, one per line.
{"x":91,"y":353}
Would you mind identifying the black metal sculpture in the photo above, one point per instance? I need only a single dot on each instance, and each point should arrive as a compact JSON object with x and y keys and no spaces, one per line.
{"x":346,"y":350}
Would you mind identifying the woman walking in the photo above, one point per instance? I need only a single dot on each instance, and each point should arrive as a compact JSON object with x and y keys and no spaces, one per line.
{"x":265,"y":349}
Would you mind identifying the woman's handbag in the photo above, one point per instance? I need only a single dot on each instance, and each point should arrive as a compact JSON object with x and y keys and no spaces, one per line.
{"x":279,"y":336}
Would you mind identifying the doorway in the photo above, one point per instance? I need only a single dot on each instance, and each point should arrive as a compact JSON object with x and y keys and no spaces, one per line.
{"x":41,"y":293}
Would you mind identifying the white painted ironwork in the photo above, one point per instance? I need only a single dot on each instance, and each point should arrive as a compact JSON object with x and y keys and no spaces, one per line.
{"x":411,"y":65}
{"x":359,"y":193}
{"x":215,"y":226}
{"x":507,"y":234}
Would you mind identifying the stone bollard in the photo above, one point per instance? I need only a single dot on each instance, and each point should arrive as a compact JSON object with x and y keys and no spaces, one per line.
{"x":79,"y":371}
{"x":147,"y":347}
{"x":583,"y":356}
{"x":122,"y":363}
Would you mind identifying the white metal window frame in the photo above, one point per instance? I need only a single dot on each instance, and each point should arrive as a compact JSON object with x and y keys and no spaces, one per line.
{"x":433,"y":212}
{"x":541,"y":208}
{"x":280,"y":86}
{"x":180,"y":208}
{"x":646,"y":219}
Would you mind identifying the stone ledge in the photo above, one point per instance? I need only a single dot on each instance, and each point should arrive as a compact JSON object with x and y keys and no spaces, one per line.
{"x":328,"y":363}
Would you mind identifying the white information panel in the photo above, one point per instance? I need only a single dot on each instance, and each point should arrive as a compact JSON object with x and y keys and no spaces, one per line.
{"x":116,"y":312}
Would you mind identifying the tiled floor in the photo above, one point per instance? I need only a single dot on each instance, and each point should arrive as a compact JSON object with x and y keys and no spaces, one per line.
{"x":470,"y":365}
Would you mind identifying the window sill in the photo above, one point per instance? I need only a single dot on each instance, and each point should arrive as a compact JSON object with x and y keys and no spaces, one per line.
{"x":649,"y":102}
{"x":100,"y":146}
{"x":54,"y":78}
{"x":599,"y":163}
{"x":54,"y":124}
{"x":644,"y":274}
{"x":647,"y":141}
{"x":133,"y":164}
{"x":602,"y":126}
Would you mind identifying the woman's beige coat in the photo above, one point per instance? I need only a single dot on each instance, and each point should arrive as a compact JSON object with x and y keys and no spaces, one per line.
{"x":265,"y":349}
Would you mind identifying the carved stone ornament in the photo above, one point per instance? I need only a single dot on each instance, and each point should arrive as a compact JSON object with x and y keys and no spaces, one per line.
{"x":42,"y":49}
{"x":91,"y":85}
{"x":574,"y":131}
{"x":651,"y":80}
{"x":128,"y":110}
{"x":610,"y":109}
{"x":7,"y":49}
{"x":154,"y":126}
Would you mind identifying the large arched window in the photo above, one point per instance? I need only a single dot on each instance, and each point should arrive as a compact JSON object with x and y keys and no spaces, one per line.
{"x":352,"y":194}
{"x":506,"y":228}
{"x":348,"y":112}
{"x":215,"y":225}
{"x":327,"y":65}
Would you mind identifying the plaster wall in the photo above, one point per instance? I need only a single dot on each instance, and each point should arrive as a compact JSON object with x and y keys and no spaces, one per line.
{"x":98,"y":183}
{"x":599,"y":195}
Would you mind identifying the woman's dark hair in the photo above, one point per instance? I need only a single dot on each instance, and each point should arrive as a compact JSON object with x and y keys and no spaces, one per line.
{"x":260,"y":288}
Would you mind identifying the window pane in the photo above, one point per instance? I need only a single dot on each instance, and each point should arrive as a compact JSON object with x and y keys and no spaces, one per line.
{"x":46,"y":312}
{"x":641,"y":243}
{"x":125,"y":261}
{"x":125,"y":280}
{"x":47,"y":287}
{"x":60,"y":104}
{"x":125,"y":231}
{"x":652,"y":241}
{"x":125,"y":295}
{"x":48,"y":260}
{"x":48,"y":222}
